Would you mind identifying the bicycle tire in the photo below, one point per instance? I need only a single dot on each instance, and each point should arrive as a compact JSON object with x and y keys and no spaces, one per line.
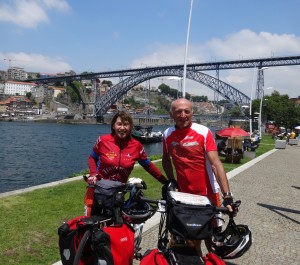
{"x":138,"y":238}
{"x":81,"y":246}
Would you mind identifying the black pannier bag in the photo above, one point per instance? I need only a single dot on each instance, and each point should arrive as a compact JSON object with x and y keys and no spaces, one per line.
{"x":189,"y":216}
{"x":108,"y":195}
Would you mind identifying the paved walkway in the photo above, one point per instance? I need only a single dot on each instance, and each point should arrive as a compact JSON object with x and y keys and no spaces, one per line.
{"x":269,"y":188}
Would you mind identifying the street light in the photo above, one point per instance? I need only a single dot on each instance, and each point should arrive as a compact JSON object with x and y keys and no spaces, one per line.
{"x":186,"y":49}
{"x":251,"y":96}
{"x":260,"y":109}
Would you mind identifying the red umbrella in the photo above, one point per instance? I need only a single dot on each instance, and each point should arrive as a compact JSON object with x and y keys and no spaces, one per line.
{"x":232,"y":132}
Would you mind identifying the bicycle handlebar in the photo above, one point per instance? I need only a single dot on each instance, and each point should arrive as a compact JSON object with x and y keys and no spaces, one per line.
{"x":224,"y":210}
{"x":143,"y":185}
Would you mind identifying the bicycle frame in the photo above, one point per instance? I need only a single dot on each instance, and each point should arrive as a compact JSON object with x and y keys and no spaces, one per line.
{"x":171,"y":250}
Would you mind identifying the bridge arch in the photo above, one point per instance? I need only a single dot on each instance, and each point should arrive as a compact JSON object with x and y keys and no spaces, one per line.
{"x":225,"y":90}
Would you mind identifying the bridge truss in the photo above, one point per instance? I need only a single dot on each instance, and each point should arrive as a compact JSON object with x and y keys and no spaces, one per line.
{"x":117,"y":91}
{"x":132,"y":77}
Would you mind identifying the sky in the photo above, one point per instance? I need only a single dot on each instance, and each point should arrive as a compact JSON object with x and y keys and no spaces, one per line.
{"x":51,"y":36}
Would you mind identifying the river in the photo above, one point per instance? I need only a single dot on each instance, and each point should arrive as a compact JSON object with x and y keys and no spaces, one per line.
{"x":34,"y":153}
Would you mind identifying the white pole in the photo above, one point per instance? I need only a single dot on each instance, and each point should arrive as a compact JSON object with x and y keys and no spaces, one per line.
{"x":260,"y":110}
{"x":261,"y":99}
{"x":251,"y":98}
{"x":186,"y":50}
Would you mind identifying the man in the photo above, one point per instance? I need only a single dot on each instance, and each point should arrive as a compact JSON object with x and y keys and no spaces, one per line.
{"x":195,"y":157}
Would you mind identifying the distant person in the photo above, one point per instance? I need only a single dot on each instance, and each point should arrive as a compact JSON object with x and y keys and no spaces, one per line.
{"x":255,"y":136}
{"x":222,"y":145}
{"x":114,"y":155}
{"x":191,"y":149}
{"x":293,"y":134}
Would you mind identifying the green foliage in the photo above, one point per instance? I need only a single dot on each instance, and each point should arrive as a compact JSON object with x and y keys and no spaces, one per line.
{"x":199,"y":98}
{"x":278,"y":108}
{"x":164,"y":104}
{"x":28,"y":95}
{"x":236,"y":112}
{"x":29,"y":225}
{"x":72,"y":94}
{"x":107,"y":82}
{"x":131,"y":101}
{"x":74,"y":91}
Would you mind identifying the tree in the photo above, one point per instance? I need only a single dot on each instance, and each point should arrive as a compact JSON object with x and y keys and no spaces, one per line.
{"x":236,"y":112}
{"x":278,"y":108}
{"x":28,"y":95}
{"x":107,"y":82}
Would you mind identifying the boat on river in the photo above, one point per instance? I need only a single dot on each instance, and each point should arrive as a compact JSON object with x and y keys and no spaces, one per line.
{"x":146,"y":134}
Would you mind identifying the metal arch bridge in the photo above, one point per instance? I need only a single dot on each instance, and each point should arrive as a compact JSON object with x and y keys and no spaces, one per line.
{"x":117,"y":91}
{"x":136,"y":76}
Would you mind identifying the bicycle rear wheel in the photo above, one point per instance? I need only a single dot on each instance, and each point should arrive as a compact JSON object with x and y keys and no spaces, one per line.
{"x":81,"y":247}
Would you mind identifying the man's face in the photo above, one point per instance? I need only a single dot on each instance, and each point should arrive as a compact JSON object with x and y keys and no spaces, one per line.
{"x":182,"y":114}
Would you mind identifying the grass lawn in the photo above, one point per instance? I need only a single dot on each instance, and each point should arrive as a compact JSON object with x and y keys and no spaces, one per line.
{"x":29,"y":221}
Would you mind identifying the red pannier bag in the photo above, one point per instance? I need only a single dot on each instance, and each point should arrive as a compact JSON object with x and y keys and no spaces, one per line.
{"x":118,"y":251}
{"x":154,"y":257}
{"x":213,"y":259}
{"x":70,"y":234}
{"x":121,"y":243}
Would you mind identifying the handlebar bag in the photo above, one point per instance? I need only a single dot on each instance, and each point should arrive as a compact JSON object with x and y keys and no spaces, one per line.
{"x":108,"y":194}
{"x":189,"y":220}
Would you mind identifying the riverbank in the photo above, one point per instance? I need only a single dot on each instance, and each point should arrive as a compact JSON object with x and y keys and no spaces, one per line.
{"x":150,"y":120}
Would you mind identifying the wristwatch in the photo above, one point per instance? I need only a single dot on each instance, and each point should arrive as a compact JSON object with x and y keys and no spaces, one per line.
{"x":227,"y":194}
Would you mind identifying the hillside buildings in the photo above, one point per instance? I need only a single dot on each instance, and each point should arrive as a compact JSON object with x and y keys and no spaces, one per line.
{"x":17,"y":88}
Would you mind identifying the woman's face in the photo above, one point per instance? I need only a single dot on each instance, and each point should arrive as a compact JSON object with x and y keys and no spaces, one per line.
{"x":122,"y":128}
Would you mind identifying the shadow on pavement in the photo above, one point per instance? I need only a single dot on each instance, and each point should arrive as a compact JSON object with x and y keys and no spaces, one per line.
{"x":279,"y":211}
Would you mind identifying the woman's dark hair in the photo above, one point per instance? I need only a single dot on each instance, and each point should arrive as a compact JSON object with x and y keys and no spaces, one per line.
{"x":124,"y":116}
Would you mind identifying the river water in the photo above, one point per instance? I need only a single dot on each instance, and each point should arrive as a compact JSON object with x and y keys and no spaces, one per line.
{"x":34,"y":153}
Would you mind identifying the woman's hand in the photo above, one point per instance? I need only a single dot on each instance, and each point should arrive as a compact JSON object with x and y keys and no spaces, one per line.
{"x":92,"y":180}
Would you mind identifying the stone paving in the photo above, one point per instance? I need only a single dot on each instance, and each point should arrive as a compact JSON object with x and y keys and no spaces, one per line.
{"x":270,"y":191}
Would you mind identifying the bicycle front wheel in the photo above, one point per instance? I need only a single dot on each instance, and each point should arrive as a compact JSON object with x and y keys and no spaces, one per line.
{"x":81,"y":247}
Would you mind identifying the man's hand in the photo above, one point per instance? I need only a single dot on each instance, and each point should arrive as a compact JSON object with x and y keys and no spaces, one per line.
{"x":228,"y":202}
{"x":171,"y":185}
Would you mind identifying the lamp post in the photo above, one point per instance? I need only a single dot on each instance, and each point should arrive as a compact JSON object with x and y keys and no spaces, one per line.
{"x":186,"y":49}
{"x":260,"y":110}
{"x":259,"y":83}
{"x":251,"y":98}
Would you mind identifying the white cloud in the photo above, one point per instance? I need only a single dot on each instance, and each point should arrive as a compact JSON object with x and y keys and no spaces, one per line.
{"x":60,"y":5}
{"x":37,"y":62}
{"x":244,"y":44}
{"x":29,"y":13}
{"x":26,"y":14}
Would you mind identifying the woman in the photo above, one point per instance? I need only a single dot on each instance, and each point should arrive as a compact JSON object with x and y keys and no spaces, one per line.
{"x":114,"y":155}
